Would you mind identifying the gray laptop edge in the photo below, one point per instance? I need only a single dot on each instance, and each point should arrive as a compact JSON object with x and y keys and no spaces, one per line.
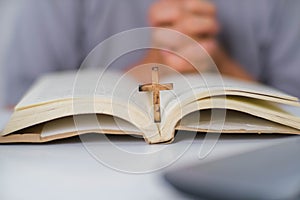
{"x":267,"y":173}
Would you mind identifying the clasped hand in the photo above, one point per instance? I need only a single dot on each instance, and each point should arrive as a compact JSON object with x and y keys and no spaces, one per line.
{"x":194,"y":18}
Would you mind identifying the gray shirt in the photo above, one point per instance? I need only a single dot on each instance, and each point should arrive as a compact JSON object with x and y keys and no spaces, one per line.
{"x":52,"y":35}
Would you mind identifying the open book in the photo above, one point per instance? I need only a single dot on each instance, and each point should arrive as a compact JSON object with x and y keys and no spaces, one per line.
{"x":62,"y":105}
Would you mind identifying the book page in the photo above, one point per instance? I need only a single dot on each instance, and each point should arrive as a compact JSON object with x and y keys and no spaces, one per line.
{"x":211,"y":82}
{"x":86,"y":84}
{"x":104,"y":123}
{"x":189,"y":88}
{"x":67,"y":94}
{"x":235,"y":122}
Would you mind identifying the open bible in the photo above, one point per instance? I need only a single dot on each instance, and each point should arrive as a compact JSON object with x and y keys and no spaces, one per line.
{"x":67,"y":104}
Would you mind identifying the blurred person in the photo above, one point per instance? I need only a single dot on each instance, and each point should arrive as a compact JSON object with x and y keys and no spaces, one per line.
{"x":252,"y":40}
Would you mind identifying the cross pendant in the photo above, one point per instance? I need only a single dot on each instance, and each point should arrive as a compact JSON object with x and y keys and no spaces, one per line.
{"x":155,"y":88}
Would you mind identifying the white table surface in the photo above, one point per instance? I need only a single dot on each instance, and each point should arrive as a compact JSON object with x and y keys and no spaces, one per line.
{"x":86,"y":169}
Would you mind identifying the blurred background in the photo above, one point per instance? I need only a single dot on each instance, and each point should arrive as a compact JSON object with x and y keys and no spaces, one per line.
{"x":251,"y":40}
{"x":8,"y":8}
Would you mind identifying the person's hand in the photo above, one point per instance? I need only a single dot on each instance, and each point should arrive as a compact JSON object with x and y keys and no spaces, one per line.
{"x":197,"y":20}
{"x":194,"y":18}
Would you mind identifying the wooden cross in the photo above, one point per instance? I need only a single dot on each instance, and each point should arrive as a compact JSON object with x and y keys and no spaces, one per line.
{"x":155,"y":88}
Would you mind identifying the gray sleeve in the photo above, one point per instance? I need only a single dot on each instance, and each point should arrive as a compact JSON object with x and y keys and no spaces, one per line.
{"x":44,"y":38}
{"x":53,"y":35}
{"x":105,"y":18}
{"x":264,"y":37}
{"x":282,"y":68}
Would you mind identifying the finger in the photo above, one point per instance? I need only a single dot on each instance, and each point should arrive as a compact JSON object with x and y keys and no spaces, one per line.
{"x":191,"y":58}
{"x":210,"y":45}
{"x":194,"y":25}
{"x":177,"y":62}
{"x":202,"y":7}
{"x":170,"y":39}
{"x":164,"y":13}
